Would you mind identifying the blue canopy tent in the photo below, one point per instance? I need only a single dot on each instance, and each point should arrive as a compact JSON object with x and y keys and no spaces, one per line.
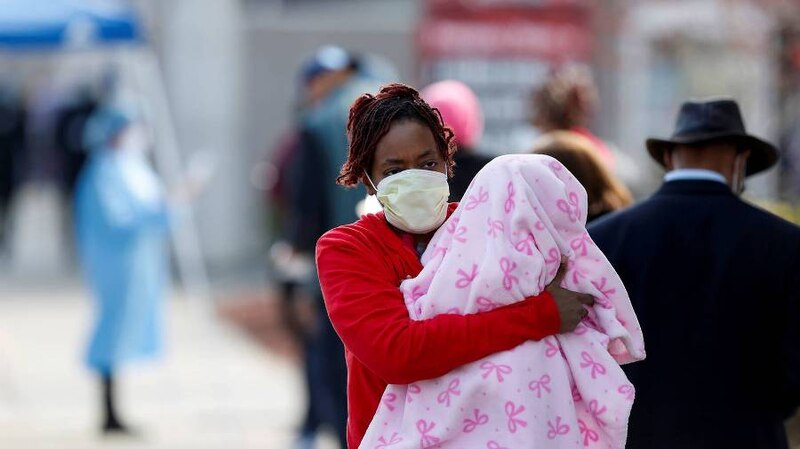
{"x":27,"y":25}
{"x":62,"y":28}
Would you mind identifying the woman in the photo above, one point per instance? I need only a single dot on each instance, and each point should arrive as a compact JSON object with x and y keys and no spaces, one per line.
{"x":606,"y":193}
{"x":401,"y":151}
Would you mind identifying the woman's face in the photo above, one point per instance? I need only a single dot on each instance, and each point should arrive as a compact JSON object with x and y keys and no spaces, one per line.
{"x":408,"y":144}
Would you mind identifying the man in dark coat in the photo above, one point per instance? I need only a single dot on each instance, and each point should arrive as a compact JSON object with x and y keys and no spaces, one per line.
{"x":715,"y":283}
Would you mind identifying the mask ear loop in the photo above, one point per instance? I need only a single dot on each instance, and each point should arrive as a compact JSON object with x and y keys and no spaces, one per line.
{"x":738,"y":178}
{"x":370,"y":182}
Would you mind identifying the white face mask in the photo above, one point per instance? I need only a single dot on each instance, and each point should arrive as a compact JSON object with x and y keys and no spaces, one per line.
{"x":414,"y":200}
{"x":737,"y":183}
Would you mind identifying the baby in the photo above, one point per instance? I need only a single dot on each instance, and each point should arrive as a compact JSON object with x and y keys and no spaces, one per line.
{"x":502,"y":244}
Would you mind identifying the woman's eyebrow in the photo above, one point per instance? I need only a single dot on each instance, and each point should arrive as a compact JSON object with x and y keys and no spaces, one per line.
{"x":391,"y":161}
{"x":426,"y":154}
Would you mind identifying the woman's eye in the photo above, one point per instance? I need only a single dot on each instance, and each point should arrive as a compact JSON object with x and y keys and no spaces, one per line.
{"x":391,"y":172}
{"x":430,"y":164}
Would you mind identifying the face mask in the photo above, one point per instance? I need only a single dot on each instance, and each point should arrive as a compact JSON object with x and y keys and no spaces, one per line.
{"x":414,"y":200}
{"x":737,"y":183}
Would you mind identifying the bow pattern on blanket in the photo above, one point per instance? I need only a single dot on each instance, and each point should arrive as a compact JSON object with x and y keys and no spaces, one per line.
{"x":504,"y":243}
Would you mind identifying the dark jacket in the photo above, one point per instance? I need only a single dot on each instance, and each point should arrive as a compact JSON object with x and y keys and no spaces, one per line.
{"x":317,"y":203}
{"x":468,"y":164}
{"x":715,"y":283}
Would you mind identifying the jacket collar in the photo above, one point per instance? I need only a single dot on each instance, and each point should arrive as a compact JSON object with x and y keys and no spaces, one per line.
{"x":695,"y":187}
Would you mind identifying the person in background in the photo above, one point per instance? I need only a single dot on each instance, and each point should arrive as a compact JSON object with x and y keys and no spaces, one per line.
{"x":12,"y":152}
{"x":606,"y":194}
{"x":334,"y":79}
{"x":292,"y":269}
{"x":121,"y":222}
{"x":461,"y":112}
{"x":714,"y":282}
{"x":566,"y":101}
{"x":70,"y":129}
{"x":278,"y":171}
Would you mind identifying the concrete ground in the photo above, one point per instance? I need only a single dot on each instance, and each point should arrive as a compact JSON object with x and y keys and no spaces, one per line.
{"x":214,"y":387}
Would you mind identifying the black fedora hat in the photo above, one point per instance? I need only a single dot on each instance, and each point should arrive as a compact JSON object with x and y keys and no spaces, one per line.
{"x":711,"y":120}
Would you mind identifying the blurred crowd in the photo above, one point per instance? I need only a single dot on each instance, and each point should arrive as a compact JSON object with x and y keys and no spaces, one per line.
{"x":42,"y":139}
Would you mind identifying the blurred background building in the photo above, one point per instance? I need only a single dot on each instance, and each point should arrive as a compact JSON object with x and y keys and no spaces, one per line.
{"x":229,"y":77}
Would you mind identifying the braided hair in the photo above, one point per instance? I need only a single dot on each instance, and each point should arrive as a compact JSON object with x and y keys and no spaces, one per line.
{"x":370,"y":119}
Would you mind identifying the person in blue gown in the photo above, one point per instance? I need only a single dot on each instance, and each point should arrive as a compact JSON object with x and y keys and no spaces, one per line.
{"x":121,"y":225}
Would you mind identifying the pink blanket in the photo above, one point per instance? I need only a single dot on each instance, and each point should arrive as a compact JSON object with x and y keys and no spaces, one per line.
{"x":502,"y":244}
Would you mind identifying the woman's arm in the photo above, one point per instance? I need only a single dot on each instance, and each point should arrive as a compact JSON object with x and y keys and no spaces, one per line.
{"x":368,"y":312}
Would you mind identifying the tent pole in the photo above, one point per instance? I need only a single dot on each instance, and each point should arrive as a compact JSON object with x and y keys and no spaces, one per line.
{"x":185,"y":238}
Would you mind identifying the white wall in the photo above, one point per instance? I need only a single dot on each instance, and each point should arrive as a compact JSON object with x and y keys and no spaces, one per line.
{"x":200,"y":44}
{"x":230,"y":69}
{"x":279,"y":39}
{"x":718,"y":48}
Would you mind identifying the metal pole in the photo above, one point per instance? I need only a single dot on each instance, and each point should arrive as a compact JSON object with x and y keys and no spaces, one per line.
{"x":185,"y":238}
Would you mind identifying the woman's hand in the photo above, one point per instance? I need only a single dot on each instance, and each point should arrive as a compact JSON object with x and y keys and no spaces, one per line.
{"x":570,"y":305}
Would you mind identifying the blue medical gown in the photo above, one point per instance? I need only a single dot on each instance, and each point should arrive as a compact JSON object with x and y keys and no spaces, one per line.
{"x":121,"y":224}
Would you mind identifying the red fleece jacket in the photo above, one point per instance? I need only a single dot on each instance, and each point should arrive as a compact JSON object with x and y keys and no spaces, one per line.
{"x":360,"y":268}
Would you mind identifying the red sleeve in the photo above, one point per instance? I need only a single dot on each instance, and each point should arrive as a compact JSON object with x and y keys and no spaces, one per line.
{"x":367,"y":310}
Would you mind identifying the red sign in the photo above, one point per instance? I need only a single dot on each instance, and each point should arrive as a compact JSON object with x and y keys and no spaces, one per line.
{"x":452,"y":5}
{"x":502,"y":49}
{"x":554,"y":41}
